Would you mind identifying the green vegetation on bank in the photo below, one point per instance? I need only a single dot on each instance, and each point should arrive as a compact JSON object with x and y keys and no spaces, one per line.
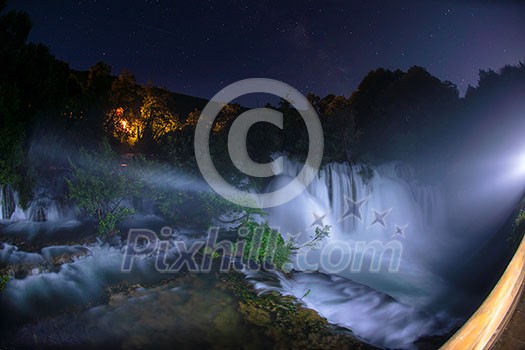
{"x":287,"y":323}
{"x":99,"y":186}
{"x":518,"y":227}
{"x":266,"y":247}
{"x":3,"y":281}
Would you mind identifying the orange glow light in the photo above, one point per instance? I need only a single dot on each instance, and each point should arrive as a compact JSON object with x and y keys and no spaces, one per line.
{"x":119,"y":111}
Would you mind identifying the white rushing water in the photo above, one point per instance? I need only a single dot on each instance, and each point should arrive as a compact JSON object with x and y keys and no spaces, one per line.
{"x":388,"y":237}
{"x":381,"y":272}
{"x":372,"y":316}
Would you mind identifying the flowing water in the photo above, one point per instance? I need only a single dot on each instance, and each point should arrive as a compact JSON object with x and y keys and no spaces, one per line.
{"x":387,"y":269}
{"x":383,"y":272}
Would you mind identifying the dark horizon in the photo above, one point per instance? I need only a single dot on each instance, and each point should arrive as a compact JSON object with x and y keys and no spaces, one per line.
{"x":323,"y":50}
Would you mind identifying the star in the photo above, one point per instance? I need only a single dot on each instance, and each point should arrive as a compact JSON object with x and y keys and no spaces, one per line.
{"x":318,"y":219}
{"x":379,"y":218}
{"x":400,"y":231}
{"x":353,"y":208}
{"x":292,"y":236}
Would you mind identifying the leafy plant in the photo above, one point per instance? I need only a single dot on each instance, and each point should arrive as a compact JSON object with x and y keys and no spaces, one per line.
{"x":99,"y":185}
{"x":3,"y":281}
{"x":319,"y":235}
{"x":518,"y":228}
{"x":265,"y":245}
{"x":307,"y":293}
{"x":520,"y":220}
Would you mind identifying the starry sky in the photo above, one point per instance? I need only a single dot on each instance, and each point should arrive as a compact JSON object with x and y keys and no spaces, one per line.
{"x":198,"y":47}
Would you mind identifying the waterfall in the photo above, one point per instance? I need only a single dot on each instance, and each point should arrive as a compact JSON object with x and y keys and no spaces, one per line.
{"x":8,"y":204}
{"x":336,"y":181}
{"x":364,"y":206}
{"x":388,"y":232}
{"x":43,"y":209}
{"x":10,"y":209}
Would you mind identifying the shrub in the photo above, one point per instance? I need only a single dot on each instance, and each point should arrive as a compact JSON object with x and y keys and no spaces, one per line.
{"x":99,"y":185}
{"x":266,"y":247}
{"x":3,"y":281}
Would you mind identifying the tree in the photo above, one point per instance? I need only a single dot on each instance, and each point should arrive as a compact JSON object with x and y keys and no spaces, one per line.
{"x":156,"y":119}
{"x":177,"y":146}
{"x":192,"y":119}
{"x":14,"y":30}
{"x":140,"y":116}
{"x":99,"y":185}
{"x":32,"y":82}
{"x":226,"y":117}
{"x":12,"y":136}
{"x":3,"y":281}
{"x":398,"y":112}
{"x":339,"y":126}
{"x":125,"y":97}
{"x":98,"y":75}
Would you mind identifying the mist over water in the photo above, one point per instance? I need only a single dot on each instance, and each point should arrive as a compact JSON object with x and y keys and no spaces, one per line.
{"x":436,"y":253}
{"x":390,"y":279}
{"x":373,"y":316}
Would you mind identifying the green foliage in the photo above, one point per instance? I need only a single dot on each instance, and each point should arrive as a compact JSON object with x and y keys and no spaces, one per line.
{"x":520,"y":220}
{"x":284,"y":321}
{"x":175,"y":204}
{"x":319,"y":235}
{"x":519,"y":227}
{"x":265,"y":245}
{"x":177,"y":193}
{"x":307,"y":293}
{"x":99,"y":184}
{"x":3,"y":281}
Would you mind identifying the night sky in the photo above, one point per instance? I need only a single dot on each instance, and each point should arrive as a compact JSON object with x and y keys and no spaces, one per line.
{"x":198,"y":47}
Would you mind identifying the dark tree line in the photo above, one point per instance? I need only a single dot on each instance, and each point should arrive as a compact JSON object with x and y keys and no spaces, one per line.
{"x":391,"y":115}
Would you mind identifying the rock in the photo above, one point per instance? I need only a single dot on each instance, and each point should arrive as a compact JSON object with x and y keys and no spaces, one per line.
{"x":59,"y":255}
{"x":20,"y":271}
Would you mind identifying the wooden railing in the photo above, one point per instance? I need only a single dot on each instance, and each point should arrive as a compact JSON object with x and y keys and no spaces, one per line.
{"x":488,"y":322}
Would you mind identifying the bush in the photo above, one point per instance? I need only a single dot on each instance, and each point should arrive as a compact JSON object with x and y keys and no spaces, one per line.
{"x":266,"y":247}
{"x":3,"y":282}
{"x":99,"y":185}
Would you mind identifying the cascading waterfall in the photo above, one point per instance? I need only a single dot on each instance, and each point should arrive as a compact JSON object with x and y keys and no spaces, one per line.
{"x":387,"y":233}
{"x":41,"y":209}
{"x":378,"y":273}
{"x":7,"y":202}
{"x":388,"y":211}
